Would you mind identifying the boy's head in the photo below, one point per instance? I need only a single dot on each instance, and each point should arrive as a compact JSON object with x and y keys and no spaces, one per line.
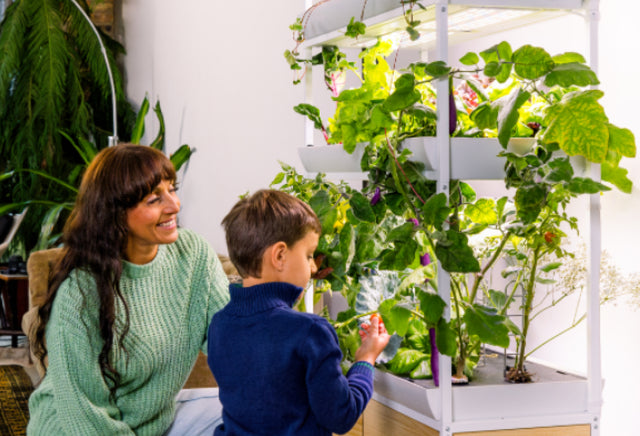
{"x":260,"y":221}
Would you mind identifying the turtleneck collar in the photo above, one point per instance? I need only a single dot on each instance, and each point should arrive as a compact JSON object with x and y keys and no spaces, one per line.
{"x":255,"y":299}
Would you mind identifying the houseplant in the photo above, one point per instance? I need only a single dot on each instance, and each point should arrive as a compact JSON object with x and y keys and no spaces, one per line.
{"x":525,"y":92}
{"x":57,"y":211}
{"x":53,"y":78}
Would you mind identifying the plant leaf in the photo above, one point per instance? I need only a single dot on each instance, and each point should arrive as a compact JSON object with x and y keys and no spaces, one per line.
{"x":529,"y":200}
{"x":567,"y":121}
{"x":455,"y":255}
{"x":432,"y":307}
{"x":179,"y":157}
{"x":487,"y":324}
{"x":483,"y":211}
{"x":622,"y":141}
{"x":470,"y":58}
{"x":508,"y":113}
{"x":361,"y":207}
{"x":138,"y":128}
{"x":616,"y":176}
{"x":532,"y":62}
{"x":405,"y":361}
{"x":569,"y":74}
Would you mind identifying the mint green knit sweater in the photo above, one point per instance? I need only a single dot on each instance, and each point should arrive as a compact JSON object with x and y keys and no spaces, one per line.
{"x":171,"y":301}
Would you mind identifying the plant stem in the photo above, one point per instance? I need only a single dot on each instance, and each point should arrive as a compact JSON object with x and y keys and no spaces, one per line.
{"x":582,"y":318}
{"x":527,"y":309}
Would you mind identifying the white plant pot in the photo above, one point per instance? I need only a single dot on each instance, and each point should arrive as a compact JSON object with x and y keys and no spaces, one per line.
{"x":470,"y":158}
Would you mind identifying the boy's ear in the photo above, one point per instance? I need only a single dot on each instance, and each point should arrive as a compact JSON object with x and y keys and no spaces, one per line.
{"x":277,"y":255}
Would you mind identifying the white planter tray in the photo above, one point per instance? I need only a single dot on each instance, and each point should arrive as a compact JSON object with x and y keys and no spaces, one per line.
{"x":488,"y":397}
{"x":471,"y":158}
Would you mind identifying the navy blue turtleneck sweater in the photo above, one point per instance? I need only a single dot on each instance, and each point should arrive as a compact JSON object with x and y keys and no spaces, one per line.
{"x":278,"y":369}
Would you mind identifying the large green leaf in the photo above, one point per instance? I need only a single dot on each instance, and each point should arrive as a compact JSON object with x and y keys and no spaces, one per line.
{"x":405,"y":94}
{"x":508,"y":114}
{"x":455,"y":255}
{"x":405,"y":361}
{"x":483,"y":211}
{"x":486,"y":323}
{"x":579,"y":125}
{"x":585,"y":185}
{"x":432,"y":307}
{"x":361,"y":207}
{"x":401,"y":257}
{"x":622,"y":141}
{"x":529,"y":201}
{"x":321,"y":204}
{"x":532,"y":62}
{"x":435,"y":210}
{"x":485,"y":116}
{"x":560,"y":170}
{"x":569,"y":74}
{"x":446,"y":338}
{"x":347,"y":244}
{"x":616,"y":176}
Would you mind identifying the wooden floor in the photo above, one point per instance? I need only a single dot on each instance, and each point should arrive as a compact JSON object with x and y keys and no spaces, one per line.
{"x":380,"y":420}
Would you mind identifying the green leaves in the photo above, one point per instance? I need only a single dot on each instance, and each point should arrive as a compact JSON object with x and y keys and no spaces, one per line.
{"x":454,"y":253}
{"x":532,"y":62}
{"x":355,"y":28}
{"x":569,"y":74}
{"x":487,"y":324}
{"x":311,"y":112}
{"x":404,"y":95}
{"x":566,"y":125}
{"x":529,"y":201}
{"x":508,"y":113}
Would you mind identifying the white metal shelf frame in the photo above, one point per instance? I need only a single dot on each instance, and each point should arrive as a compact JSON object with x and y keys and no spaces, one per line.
{"x":439,"y":11}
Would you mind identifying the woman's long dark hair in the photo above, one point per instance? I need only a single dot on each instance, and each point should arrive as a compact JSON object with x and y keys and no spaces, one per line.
{"x":95,"y":236}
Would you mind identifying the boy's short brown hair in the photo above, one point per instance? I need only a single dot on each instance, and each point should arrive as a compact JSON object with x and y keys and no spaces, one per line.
{"x":258,"y":221}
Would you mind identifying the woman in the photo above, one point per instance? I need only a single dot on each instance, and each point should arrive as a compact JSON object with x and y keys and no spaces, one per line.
{"x":128,"y":306}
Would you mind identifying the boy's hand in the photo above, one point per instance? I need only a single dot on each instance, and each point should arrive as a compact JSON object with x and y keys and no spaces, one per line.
{"x":374,"y":338}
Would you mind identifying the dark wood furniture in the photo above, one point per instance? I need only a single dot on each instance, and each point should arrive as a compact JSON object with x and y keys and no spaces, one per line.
{"x":14,"y":302}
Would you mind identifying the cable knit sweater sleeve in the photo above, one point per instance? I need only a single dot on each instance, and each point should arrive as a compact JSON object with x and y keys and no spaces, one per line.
{"x":73,"y":346}
{"x":337,"y":401}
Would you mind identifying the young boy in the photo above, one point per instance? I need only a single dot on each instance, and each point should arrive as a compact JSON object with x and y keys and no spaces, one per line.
{"x":278,"y":370}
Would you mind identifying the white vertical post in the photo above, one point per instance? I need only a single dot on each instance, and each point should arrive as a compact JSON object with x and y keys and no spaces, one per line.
{"x":308,"y":140}
{"x":308,"y":87}
{"x":308,"y":97}
{"x":442,"y":141}
{"x":594,"y":370}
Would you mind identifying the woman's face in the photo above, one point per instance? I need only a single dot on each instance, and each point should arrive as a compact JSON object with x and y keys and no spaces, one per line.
{"x":151,"y":222}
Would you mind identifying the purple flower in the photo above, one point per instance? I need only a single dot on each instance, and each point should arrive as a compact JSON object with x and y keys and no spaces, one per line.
{"x":414,"y":221}
{"x":376,"y":197}
{"x":425,"y":259}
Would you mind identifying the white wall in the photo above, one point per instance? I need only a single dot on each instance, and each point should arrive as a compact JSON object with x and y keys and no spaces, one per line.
{"x":225,"y":89}
{"x":219,"y":72}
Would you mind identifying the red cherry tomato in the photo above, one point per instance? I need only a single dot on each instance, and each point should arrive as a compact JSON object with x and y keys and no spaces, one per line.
{"x":376,"y":315}
{"x":549,"y":237}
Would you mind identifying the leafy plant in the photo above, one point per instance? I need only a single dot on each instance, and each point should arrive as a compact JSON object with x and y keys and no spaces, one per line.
{"x":53,"y":78}
{"x":56,"y":211}
{"x":387,"y":230}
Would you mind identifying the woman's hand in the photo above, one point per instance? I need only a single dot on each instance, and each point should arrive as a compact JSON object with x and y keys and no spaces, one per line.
{"x":374,"y":338}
